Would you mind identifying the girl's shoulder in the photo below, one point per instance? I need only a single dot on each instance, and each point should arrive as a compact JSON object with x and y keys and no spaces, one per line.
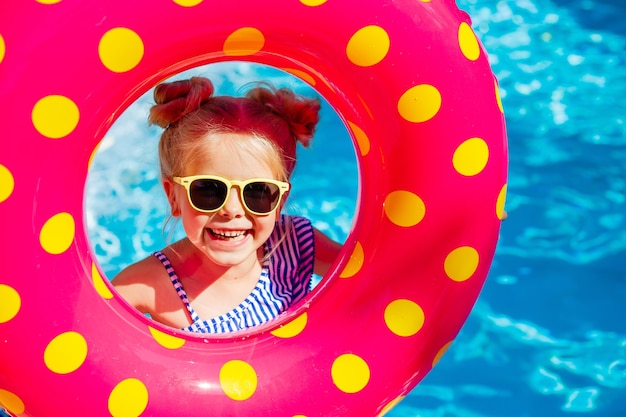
{"x":287,"y":221}
{"x":139,"y":283}
{"x":293,"y":230}
{"x":292,"y":234}
{"x":140,"y":272}
{"x":324,"y":249}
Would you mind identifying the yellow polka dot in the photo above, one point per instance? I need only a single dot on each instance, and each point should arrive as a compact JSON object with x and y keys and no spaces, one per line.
{"x":129,"y":398}
{"x":120,"y":49}
{"x":48,"y":1}
{"x":11,"y":402}
{"x":461,"y":263}
{"x":354,"y":263}
{"x":441,"y":352}
{"x":55,"y":116}
{"x":404,"y":317}
{"x":350,"y":373}
{"x":244,"y":41}
{"x":57,"y":234}
{"x":3,"y":48}
{"x":238,"y":380}
{"x":390,"y":406}
{"x":188,"y":3}
{"x":500,"y":202}
{"x":368,"y":46}
{"x":313,"y":2}
{"x":498,"y":98}
{"x":10,"y":303}
{"x":420,"y":103}
{"x":293,"y":328}
{"x":304,"y":76}
{"x":471,"y":157}
{"x":166,"y":340}
{"x":362,"y":140}
{"x":468,"y":42}
{"x":7,"y":183}
{"x":65,"y":353}
{"x":98,"y":283}
{"x":404,"y":208}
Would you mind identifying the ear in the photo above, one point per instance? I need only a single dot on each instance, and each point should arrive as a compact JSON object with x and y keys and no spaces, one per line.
{"x":170,"y":190}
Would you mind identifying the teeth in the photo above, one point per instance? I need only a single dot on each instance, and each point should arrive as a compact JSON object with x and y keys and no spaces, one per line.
{"x":228,"y":234}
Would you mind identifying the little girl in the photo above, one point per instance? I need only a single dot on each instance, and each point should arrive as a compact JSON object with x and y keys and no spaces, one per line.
{"x":225,"y":166}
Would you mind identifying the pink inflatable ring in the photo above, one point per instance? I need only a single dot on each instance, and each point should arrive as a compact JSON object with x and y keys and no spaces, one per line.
{"x":415,"y":89}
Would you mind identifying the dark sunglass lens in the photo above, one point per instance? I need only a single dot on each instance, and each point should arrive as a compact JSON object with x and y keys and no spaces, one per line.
{"x":207,"y":194}
{"x":261,"y":197}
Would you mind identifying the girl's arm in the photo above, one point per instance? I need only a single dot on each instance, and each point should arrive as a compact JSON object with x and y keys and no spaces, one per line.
{"x":326,"y":251}
{"x":132,"y":285}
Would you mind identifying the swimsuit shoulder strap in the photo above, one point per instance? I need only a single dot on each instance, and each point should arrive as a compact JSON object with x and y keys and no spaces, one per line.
{"x":178,"y":286}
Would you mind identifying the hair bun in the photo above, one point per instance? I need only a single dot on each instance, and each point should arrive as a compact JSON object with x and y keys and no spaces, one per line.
{"x":177,"y":98}
{"x":300,"y":113}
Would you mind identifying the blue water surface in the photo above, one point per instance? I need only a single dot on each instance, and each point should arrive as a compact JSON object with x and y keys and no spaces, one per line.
{"x":547,"y":337}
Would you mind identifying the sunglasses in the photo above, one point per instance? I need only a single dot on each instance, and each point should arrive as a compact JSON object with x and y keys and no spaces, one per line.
{"x":209,"y":193}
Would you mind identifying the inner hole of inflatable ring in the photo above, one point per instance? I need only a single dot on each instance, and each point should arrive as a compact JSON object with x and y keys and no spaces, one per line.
{"x":126,"y":207}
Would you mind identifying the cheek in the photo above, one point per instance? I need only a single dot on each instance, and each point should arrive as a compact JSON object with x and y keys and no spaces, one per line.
{"x":193,"y":222}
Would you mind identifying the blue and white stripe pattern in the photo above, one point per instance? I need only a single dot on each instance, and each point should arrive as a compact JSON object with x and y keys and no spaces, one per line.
{"x":285,"y":279}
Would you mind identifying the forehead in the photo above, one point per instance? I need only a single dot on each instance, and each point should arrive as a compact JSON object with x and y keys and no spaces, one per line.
{"x":234,"y":156}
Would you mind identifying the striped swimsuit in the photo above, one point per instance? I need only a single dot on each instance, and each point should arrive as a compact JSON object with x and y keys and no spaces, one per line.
{"x":285,"y":279}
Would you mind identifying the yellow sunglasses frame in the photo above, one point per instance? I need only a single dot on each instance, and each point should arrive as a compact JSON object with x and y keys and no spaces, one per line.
{"x":283,"y":187}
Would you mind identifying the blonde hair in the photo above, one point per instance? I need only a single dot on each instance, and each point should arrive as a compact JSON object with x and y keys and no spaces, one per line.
{"x":268,"y":123}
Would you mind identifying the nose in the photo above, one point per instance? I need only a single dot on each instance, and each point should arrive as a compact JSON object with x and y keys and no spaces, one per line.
{"x":233,"y":207}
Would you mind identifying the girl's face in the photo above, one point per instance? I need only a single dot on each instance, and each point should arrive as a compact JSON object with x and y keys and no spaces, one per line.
{"x":230,"y":236}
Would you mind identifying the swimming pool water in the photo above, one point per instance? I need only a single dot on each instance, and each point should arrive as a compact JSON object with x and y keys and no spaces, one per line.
{"x":547,"y":337}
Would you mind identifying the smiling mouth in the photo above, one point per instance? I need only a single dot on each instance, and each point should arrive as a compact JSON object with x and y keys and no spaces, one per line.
{"x":230,"y":235}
